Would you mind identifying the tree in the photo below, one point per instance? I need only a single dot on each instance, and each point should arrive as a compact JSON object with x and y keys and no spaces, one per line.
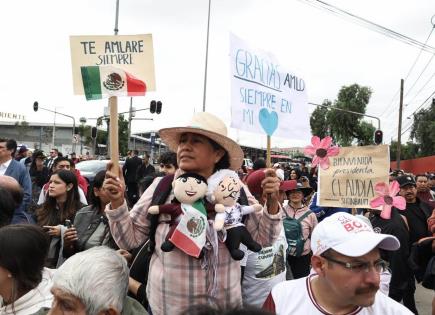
{"x":408,"y":151}
{"x":318,"y":123}
{"x":345,"y":128}
{"x":423,"y":130}
{"x":365,"y":133}
{"x":123,"y":134}
{"x":22,"y":129}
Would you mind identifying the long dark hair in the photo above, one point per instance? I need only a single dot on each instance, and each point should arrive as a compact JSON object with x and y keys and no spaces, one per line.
{"x":224,"y":162}
{"x":23,"y":249}
{"x":49,"y":214}
{"x":98,"y":183}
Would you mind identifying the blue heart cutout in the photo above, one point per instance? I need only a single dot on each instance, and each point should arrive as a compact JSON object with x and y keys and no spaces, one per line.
{"x":269,"y":121}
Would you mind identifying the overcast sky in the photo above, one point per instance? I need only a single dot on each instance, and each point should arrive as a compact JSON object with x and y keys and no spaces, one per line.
{"x":327,"y":50}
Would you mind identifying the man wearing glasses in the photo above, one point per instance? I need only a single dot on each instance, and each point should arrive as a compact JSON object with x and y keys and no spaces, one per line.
{"x":346,"y":267}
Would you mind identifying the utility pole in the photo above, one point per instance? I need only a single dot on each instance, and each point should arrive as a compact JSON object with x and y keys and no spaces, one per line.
{"x":206,"y":58}
{"x":129,"y":122}
{"x":399,"y":132}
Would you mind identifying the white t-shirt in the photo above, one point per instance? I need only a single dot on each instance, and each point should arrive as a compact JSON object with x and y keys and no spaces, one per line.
{"x":263,"y":271}
{"x":296,"y":297}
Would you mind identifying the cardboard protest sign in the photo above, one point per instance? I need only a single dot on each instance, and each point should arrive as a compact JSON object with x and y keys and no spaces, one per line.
{"x":265,"y":97}
{"x":132,"y":53}
{"x":352,"y":176}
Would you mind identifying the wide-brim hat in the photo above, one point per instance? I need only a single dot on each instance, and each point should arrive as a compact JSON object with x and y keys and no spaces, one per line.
{"x":209,"y":126}
{"x":293,"y":185}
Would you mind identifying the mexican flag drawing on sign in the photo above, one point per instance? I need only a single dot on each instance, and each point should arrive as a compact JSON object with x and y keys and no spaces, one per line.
{"x":101,"y":82}
{"x":190,"y":234}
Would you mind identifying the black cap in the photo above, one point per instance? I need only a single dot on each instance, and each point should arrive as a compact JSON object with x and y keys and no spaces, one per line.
{"x":406,"y":180}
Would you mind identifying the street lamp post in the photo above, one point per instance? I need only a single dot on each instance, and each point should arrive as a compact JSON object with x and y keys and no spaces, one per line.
{"x":36,"y":107}
{"x":82,"y":122}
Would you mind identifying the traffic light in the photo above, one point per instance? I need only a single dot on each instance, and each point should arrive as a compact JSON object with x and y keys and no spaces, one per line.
{"x":35,"y":106}
{"x":94,"y":132}
{"x":378,"y":136}
{"x":76,"y":130}
{"x":153,"y":106}
{"x":159,"y":107}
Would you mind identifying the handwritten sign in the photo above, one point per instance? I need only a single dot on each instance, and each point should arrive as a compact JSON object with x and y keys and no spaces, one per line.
{"x":132,"y":53}
{"x":266,"y":98}
{"x":351,"y":178}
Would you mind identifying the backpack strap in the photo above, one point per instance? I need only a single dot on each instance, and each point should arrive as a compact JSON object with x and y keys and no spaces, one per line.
{"x":302,"y":217}
{"x":161,"y":193}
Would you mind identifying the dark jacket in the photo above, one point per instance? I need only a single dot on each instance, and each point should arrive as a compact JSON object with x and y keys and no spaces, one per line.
{"x":144,"y":171}
{"x":20,"y":173}
{"x":130,"y":169}
{"x":400,"y":271}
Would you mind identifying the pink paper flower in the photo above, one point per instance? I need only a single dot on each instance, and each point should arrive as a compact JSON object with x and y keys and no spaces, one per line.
{"x":387,"y":198}
{"x":321,"y":150}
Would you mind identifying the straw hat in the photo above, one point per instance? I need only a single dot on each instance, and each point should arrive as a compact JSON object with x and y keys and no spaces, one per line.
{"x":209,"y":126}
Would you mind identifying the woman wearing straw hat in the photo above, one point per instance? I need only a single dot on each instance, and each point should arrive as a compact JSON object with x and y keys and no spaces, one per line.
{"x":177,"y":280}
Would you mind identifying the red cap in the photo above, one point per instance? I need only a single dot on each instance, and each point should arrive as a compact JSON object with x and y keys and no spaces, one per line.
{"x":287,"y":185}
{"x":253,"y":181}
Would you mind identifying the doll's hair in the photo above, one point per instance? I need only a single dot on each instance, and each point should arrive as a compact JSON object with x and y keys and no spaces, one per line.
{"x":194,"y":175}
{"x":216,"y":178}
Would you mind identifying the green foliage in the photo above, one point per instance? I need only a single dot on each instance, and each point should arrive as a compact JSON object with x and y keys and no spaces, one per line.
{"x":408,"y":151}
{"x":365,"y":133}
{"x":423,"y":130}
{"x":319,"y":126}
{"x":345,"y":128}
{"x":123,"y":135}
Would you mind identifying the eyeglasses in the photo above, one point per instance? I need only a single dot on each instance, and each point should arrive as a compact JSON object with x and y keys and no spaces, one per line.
{"x":359,"y":267}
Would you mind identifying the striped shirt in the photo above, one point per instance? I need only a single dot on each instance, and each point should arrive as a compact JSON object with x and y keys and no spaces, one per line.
{"x":176,"y":280}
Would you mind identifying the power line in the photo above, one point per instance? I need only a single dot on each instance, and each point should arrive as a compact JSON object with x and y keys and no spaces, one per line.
{"x":383,"y":30}
{"x":371,"y":25}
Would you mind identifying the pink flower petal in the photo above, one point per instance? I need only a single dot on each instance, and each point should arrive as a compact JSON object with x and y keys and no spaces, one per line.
{"x":333,"y":151}
{"x":324,"y":163}
{"x":399,"y":202}
{"x":310,"y":150}
{"x":386,"y":212}
{"x":326,"y":142}
{"x":394,"y":188}
{"x":315,"y":141}
{"x":315,"y":161}
{"x":381,"y":189}
{"x":376,"y":202}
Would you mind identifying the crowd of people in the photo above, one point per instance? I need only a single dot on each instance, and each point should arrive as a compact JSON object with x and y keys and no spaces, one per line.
{"x":70,"y":248}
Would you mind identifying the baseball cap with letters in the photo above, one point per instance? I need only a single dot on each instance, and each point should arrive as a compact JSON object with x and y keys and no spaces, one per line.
{"x":349,"y":236}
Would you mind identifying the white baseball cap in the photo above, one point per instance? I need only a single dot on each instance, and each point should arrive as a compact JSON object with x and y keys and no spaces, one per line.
{"x":349,"y":236}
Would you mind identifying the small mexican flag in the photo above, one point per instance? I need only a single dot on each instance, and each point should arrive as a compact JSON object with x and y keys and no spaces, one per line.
{"x":190,"y":233}
{"x":101,"y":82}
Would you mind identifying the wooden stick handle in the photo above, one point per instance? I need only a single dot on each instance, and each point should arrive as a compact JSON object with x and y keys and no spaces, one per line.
{"x":114,"y":144}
